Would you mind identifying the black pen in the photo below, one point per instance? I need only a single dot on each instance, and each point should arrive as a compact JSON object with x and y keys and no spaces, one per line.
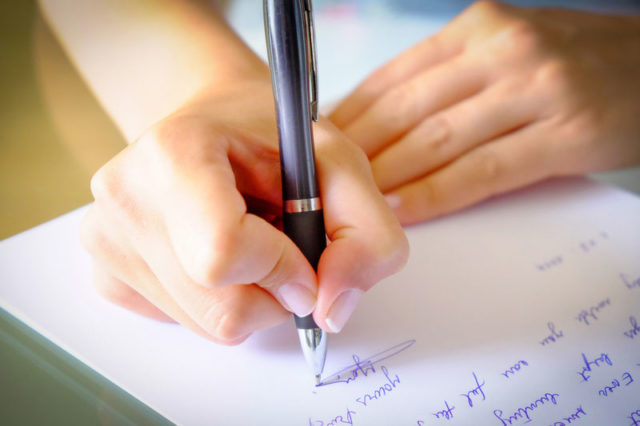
{"x":292,"y":60}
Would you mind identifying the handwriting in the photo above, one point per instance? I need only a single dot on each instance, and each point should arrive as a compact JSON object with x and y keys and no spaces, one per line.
{"x":573,"y":417}
{"x":590,"y":243}
{"x":630,"y":283}
{"x":551,"y":338}
{"x":512,"y":370}
{"x":382,"y":391}
{"x":525,"y":411}
{"x":589,"y":365}
{"x":446,"y":413}
{"x":635,"y":417}
{"x":635,"y":328}
{"x":615,"y":383}
{"x":548,"y":264}
{"x":347,"y":419}
{"x":475,"y":391}
{"x":590,"y":314}
{"x":364,"y":367}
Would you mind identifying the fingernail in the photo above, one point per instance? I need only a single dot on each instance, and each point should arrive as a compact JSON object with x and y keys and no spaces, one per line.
{"x":342,"y":309}
{"x":298,"y":298}
{"x":393,"y":200}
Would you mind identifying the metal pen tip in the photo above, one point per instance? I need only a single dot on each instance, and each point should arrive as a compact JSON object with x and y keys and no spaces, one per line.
{"x":314,"y":348}
{"x":317,"y":379}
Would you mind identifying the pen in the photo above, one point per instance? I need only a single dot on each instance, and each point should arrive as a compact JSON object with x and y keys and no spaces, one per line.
{"x":292,"y":61}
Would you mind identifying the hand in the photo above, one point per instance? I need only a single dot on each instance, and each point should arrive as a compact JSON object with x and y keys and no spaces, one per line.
{"x":184,"y":224}
{"x":500,"y":98}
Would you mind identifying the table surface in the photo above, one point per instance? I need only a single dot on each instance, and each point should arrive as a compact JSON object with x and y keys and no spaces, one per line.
{"x":54,"y":136}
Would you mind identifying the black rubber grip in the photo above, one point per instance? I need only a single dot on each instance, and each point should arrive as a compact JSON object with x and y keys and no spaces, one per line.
{"x":306,"y":229}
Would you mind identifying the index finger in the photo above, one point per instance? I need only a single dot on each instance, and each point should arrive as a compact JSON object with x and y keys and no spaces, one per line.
{"x":366,"y":244}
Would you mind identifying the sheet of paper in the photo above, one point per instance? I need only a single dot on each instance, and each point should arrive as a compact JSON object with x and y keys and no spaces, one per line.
{"x":524,"y":308}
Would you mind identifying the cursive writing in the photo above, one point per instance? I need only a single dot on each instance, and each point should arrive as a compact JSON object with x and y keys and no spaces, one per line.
{"x":572,"y":418}
{"x":347,"y":419}
{"x":555,"y":334}
{"x":475,"y":391}
{"x":615,"y":383}
{"x":630,"y":283}
{"x":588,"y":366}
{"x":587,"y":315}
{"x":513,"y":369}
{"x":381,"y":391}
{"x":550,"y":263}
{"x":635,"y":417}
{"x":634,"y":330}
{"x":446,"y":413}
{"x":364,"y":367}
{"x":525,"y":411}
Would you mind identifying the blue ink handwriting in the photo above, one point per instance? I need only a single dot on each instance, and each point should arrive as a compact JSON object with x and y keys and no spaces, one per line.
{"x":347,"y":419}
{"x":589,"y":365}
{"x":551,"y":338}
{"x":635,"y":417}
{"x":573,"y":417}
{"x":590,"y":314}
{"x":525,"y":411}
{"x":635,"y":328}
{"x":475,"y":391}
{"x":630,"y":283}
{"x":550,"y":263}
{"x":446,"y":413}
{"x":515,"y":368}
{"x":364,"y":367}
{"x":382,"y":391}
{"x":615,"y":383}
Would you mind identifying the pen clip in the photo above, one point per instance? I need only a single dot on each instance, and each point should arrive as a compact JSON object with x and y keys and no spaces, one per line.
{"x":312,"y":59}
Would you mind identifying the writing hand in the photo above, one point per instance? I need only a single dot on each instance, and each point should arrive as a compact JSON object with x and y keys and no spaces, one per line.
{"x":185,"y":222}
{"x":500,"y":98}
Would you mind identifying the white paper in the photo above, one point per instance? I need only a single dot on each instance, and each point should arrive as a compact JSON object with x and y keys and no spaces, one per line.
{"x":482,"y":290}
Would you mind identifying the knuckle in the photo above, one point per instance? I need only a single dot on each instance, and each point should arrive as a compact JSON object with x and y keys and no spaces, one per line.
{"x":581,"y":128}
{"x":554,"y":76}
{"x":210,"y":264}
{"x":438,"y":133}
{"x":223,"y":324}
{"x":486,"y":8}
{"x":105,"y":184}
{"x":521,"y":38}
{"x":488,"y":166}
{"x":396,"y":105}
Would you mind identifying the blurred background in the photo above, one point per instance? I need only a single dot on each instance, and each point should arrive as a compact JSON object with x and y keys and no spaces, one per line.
{"x":54,"y":135}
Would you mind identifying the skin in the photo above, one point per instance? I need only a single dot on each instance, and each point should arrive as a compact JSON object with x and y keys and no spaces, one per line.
{"x":502,"y":97}
{"x":185,"y":223}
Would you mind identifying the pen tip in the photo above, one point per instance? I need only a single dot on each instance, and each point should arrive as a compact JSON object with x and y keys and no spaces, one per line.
{"x":317,"y":379}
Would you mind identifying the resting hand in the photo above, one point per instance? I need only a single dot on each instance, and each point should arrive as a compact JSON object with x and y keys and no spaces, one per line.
{"x":185,"y":222}
{"x":500,"y":98}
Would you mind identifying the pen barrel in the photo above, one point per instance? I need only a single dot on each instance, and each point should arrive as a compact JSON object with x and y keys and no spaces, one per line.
{"x":287,"y":47}
{"x":306,"y":229}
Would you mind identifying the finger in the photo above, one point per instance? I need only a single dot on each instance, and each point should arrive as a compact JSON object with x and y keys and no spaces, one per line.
{"x":450,"y":133}
{"x":366,"y":241}
{"x":227,"y":316}
{"x":401,"y":108}
{"x":218,"y":243}
{"x":433,"y":50}
{"x":512,"y":161}
{"x":121,"y":294}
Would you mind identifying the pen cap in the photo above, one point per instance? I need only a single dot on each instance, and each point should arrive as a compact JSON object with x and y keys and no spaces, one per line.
{"x":288,"y":44}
